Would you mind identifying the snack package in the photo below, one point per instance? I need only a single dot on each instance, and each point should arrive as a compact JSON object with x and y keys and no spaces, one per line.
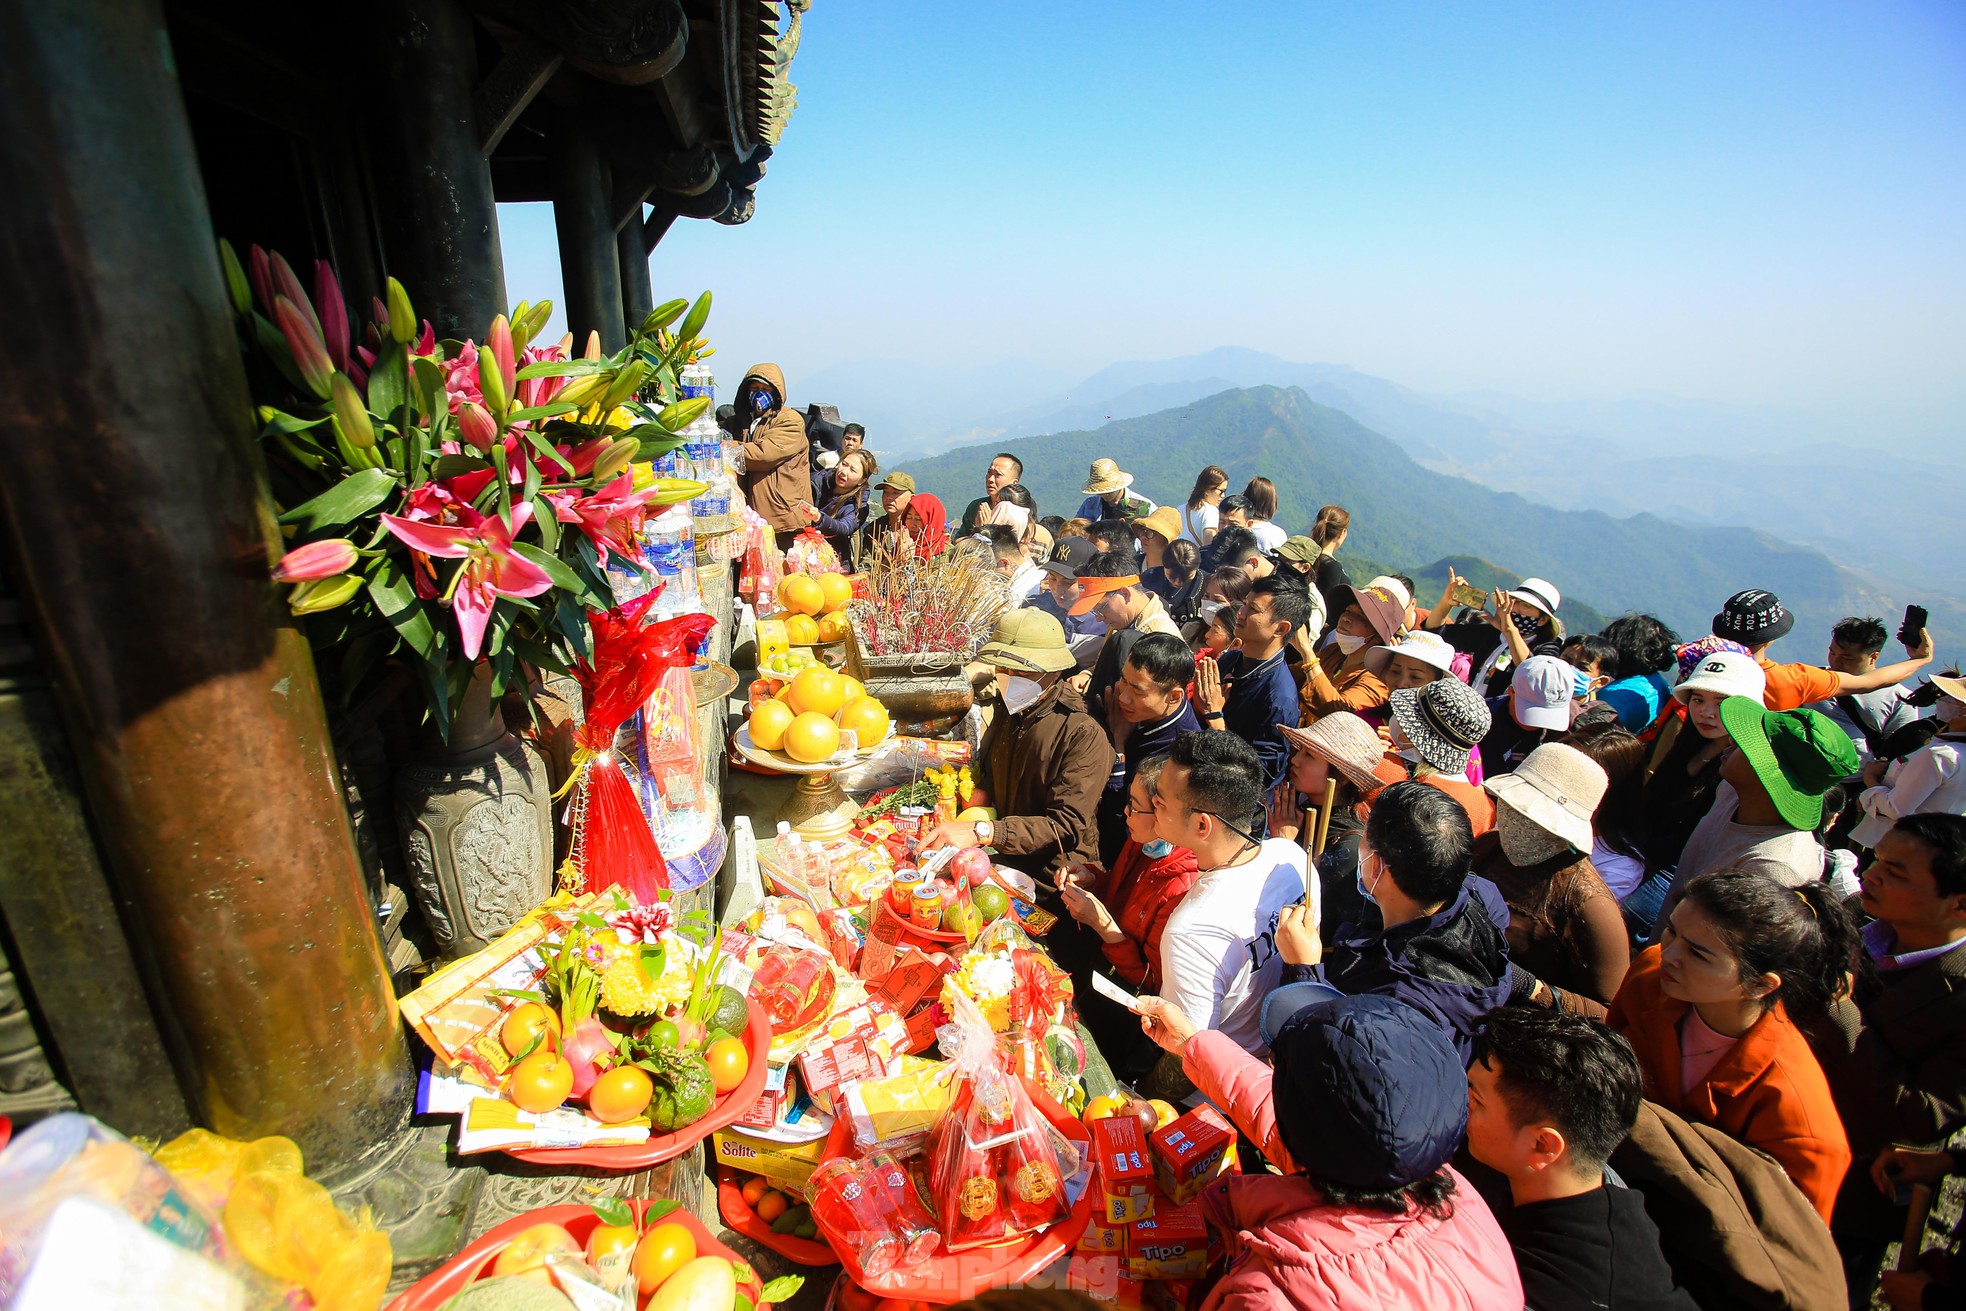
{"x":811,"y":553}
{"x":897,"y":1112}
{"x":997,"y":1167}
{"x":1190,"y":1151}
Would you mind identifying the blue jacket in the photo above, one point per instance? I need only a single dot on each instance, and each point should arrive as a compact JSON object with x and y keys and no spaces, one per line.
{"x":1260,"y":697}
{"x":1453,"y":965}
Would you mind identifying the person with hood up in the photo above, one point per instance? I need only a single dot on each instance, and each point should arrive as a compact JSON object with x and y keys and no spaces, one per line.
{"x":1044,"y":761}
{"x":777,"y":459}
{"x":1364,"y":1108}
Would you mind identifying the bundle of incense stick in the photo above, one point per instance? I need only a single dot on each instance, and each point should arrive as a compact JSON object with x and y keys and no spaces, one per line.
{"x":945,"y":604}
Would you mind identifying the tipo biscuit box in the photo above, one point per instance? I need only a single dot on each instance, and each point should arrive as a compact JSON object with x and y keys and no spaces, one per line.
{"x":1126,"y":1174}
{"x":1172,"y":1243}
{"x":785,"y":1165}
{"x":1187,"y":1152}
{"x":1102,"y":1237}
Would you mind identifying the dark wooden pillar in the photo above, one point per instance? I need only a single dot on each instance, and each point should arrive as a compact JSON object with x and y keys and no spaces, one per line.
{"x":637,"y":294}
{"x":433,"y":184}
{"x":136,"y":505}
{"x":590,"y":270}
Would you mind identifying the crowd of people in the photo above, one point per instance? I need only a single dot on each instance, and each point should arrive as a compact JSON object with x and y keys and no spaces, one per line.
{"x":1617,"y":969}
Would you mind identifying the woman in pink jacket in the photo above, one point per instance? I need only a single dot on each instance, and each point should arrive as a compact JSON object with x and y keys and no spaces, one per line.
{"x":1365,"y":1106}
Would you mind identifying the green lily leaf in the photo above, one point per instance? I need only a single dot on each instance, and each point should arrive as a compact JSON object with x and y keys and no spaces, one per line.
{"x":389,"y":381}
{"x":279,"y":421}
{"x":428,"y":379}
{"x":551,"y":410}
{"x":396,"y":600}
{"x":547,"y":522}
{"x":349,"y":499}
{"x":656,"y":447}
{"x":547,"y":450}
{"x":556,"y":568}
{"x":450,"y":466}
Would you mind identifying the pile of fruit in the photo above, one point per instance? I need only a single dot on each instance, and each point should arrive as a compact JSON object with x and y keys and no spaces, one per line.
{"x":813,"y":607}
{"x":785,"y":1213}
{"x":1151,"y":1113}
{"x":547,"y":1267}
{"x":629,"y":1024}
{"x":804,"y":715}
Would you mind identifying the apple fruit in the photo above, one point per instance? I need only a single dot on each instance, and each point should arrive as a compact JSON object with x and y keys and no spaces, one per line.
{"x":970,"y":868}
{"x":1143,"y":1113}
{"x":525,"y":1256}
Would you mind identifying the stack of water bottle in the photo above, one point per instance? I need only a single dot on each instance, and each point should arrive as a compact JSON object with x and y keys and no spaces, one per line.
{"x":703,"y":449}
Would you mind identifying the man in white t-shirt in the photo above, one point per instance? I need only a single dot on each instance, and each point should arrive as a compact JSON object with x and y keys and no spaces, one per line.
{"x":1218,"y":954}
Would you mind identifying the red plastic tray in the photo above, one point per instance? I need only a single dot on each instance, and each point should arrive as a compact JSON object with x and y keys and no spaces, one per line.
{"x":449,"y":1279}
{"x":959,"y":1276}
{"x":668,"y":1146}
{"x":737,"y":1213}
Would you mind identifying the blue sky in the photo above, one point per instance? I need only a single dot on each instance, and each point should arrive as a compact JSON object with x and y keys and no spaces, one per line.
{"x":1745,"y":203}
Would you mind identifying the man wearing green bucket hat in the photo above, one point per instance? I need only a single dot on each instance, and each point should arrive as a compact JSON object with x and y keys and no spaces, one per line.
{"x":1770,"y":803}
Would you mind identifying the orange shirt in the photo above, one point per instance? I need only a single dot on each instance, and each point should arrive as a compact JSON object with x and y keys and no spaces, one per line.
{"x":1767,"y":1091}
{"x":1475,"y":800}
{"x":1791,"y":687}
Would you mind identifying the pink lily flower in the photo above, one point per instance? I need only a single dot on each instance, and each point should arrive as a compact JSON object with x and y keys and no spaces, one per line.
{"x":461,"y":378}
{"x":491,"y":567}
{"x":610,"y":517}
{"x":447,"y":500}
{"x":539,"y":391}
{"x":323,"y":559}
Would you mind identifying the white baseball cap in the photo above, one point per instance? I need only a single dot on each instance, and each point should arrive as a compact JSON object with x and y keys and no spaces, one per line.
{"x":1543,"y":686}
{"x":1725,"y":674}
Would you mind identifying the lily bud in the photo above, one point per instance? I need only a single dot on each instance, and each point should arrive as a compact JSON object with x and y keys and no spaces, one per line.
{"x":499,"y":341}
{"x":491,"y":383}
{"x":286,"y":284}
{"x":580,"y":392}
{"x":626,"y":383}
{"x":476,"y":426}
{"x":593,"y":351}
{"x":310,"y":356}
{"x":351,"y":412}
{"x":259,"y":270}
{"x":402,"y":319}
{"x":699,"y":314}
{"x":333,"y":311}
{"x":236,"y":285}
{"x":326,"y":559}
{"x":324,"y":594}
{"x":681,"y":414}
{"x":614,"y":459}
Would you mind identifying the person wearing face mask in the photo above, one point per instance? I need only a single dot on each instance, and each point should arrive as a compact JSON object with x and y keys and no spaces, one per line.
{"x":1564,"y":924}
{"x":1434,"y":935}
{"x":1534,"y":710}
{"x":1341,"y":677}
{"x":1518,"y":624}
{"x":1043,"y":762}
{"x":1929,"y":780}
{"x":777,"y":458}
{"x":1127,"y":908}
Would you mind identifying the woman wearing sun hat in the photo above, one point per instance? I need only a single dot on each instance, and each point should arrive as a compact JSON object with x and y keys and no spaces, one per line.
{"x":1564,"y":924}
{"x":1106,"y":496}
{"x":1340,"y":677}
{"x":1436,"y":727}
{"x":1520,"y":623}
{"x":1340,"y":748}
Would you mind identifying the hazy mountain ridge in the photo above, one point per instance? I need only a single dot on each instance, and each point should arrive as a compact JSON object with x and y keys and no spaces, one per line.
{"x":1407,"y":515}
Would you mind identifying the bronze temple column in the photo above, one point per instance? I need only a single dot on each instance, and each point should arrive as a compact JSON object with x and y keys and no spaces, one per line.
{"x":637,"y":292}
{"x":590,"y":269}
{"x":135,"y":500}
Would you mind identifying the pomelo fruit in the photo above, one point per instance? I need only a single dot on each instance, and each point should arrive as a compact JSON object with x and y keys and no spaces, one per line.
{"x":811,"y":738}
{"x":768,"y":724}
{"x":817,"y":689}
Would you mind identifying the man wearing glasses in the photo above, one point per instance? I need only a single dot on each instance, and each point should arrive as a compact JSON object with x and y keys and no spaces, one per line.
{"x":1218,"y":960}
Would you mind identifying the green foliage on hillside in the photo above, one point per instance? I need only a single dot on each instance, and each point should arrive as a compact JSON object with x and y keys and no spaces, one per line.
{"x":1408,"y":516}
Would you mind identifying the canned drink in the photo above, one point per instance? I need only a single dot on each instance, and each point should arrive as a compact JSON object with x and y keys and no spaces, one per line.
{"x":901,"y":892}
{"x":925,"y":906}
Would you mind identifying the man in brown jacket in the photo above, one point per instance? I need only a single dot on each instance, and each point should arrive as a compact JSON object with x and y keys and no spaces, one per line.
{"x":1044,"y":760}
{"x":777,"y":460}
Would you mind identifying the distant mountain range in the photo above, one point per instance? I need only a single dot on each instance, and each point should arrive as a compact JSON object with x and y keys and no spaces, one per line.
{"x":1414,"y":518}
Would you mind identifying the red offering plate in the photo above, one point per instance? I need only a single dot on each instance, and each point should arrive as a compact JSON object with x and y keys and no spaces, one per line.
{"x":468,"y":1266}
{"x":666,"y":1147}
{"x":737,"y":1213}
{"x":958,"y":1276}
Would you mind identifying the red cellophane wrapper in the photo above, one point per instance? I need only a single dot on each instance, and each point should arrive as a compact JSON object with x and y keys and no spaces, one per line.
{"x":997,"y":1167}
{"x":612,"y":842}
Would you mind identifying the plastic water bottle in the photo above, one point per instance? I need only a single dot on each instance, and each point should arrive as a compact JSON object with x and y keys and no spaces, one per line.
{"x":669,"y":550}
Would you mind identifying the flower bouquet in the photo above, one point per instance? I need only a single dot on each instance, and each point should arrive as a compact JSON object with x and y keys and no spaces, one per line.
{"x":456,"y":502}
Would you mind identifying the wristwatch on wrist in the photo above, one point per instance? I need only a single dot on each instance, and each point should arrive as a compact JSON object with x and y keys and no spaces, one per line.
{"x":983,"y":830}
{"x":1211,"y":714}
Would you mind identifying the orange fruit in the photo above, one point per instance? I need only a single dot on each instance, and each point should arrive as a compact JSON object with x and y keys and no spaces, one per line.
{"x":729,"y":1062}
{"x":525,"y":1256}
{"x":866,"y":717}
{"x":768,"y":724}
{"x":663,"y":1251}
{"x":539,"y":1083}
{"x":754,"y":1188}
{"x":1100,"y":1108}
{"x":527,"y":1020}
{"x":854,"y":687}
{"x":818,"y":689}
{"x":802,"y":630}
{"x":620,"y":1095}
{"x":809,"y":739}
{"x":836,"y":590}
{"x":832,"y":628}
{"x":802,"y":594}
{"x":772,"y":1205}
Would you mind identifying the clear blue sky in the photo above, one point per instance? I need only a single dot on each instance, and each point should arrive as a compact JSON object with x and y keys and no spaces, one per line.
{"x":1730,"y":201}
